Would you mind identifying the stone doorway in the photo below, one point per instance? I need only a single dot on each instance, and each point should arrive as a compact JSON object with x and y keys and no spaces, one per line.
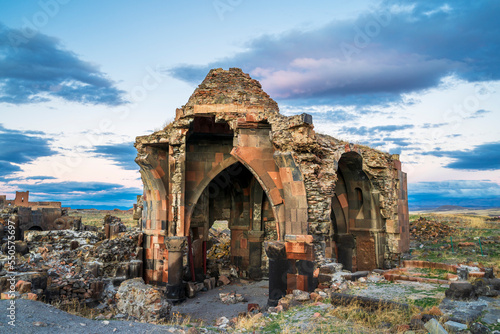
{"x":235,"y":196}
{"x":357,"y":227}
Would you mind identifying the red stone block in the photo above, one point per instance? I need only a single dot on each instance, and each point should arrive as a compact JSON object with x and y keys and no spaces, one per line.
{"x":164,"y":277}
{"x":219,"y":157}
{"x":302,"y":282}
{"x":343,"y":200}
{"x":275,"y":196}
{"x":275,"y":176}
{"x":160,"y":171}
{"x":298,"y":188}
{"x":157,"y":275}
{"x":191,"y":176}
{"x":23,"y":286}
{"x":291,"y":282}
{"x":148,"y":277}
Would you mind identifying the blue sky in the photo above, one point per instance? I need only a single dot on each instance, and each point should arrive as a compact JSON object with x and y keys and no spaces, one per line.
{"x":80,"y":80}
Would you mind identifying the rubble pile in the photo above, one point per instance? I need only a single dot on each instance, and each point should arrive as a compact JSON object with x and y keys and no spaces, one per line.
{"x":67,"y":266}
{"x":87,"y":290}
{"x":62,"y":239}
{"x":221,"y":244}
{"x":231,"y":298}
{"x":329,"y":273}
{"x":423,"y":229}
{"x":123,"y":248}
{"x":142,"y":301}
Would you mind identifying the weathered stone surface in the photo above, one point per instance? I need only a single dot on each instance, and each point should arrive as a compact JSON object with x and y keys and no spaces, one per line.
{"x":434,"y":327}
{"x":463,"y":311}
{"x":357,"y":275}
{"x":461,"y":291}
{"x":142,"y":301}
{"x":454,"y":327}
{"x":224,"y":280}
{"x":231,"y":298}
{"x":478,"y":328}
{"x":330,"y":268}
{"x":301,"y":296}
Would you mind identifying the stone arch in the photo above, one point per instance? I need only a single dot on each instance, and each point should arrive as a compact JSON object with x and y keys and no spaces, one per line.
{"x":266,"y":183}
{"x":356,"y":221}
{"x":230,"y":191}
{"x":193,"y":199}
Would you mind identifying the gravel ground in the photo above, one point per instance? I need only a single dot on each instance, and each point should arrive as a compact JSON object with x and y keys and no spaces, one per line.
{"x":206,"y":306}
{"x":52,"y":320}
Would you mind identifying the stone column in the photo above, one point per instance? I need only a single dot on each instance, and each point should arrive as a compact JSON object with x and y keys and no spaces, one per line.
{"x":175,"y":288}
{"x":255,"y":239}
{"x":278,"y":266}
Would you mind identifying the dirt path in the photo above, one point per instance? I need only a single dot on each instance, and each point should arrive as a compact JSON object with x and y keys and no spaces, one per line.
{"x":206,"y":306}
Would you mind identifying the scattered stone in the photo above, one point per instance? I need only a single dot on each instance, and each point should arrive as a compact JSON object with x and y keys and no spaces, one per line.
{"x":454,"y":327}
{"x":222,"y":321}
{"x":356,"y":276}
{"x":330,"y":268}
{"x":301,"y":296}
{"x":209,"y":284}
{"x":463,"y":311}
{"x":461,"y":291}
{"x":231,"y":298}
{"x":417,"y":324}
{"x":39,"y":324}
{"x":191,"y":289}
{"x":478,"y":328}
{"x":23,"y":287}
{"x":224,"y":280}
{"x":375,"y":278}
{"x":253,"y":307}
{"x":434,"y":327}
{"x":462,"y":274}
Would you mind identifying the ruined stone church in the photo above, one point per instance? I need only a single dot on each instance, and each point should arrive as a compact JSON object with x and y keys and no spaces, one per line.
{"x":293,"y":198}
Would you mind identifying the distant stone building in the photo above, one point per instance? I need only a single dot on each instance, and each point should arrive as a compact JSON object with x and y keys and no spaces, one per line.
{"x":293,"y":198}
{"x":41,"y":216}
{"x":22,"y":199}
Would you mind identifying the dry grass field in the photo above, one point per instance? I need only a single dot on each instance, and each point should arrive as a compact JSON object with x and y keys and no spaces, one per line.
{"x":95,"y":217}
